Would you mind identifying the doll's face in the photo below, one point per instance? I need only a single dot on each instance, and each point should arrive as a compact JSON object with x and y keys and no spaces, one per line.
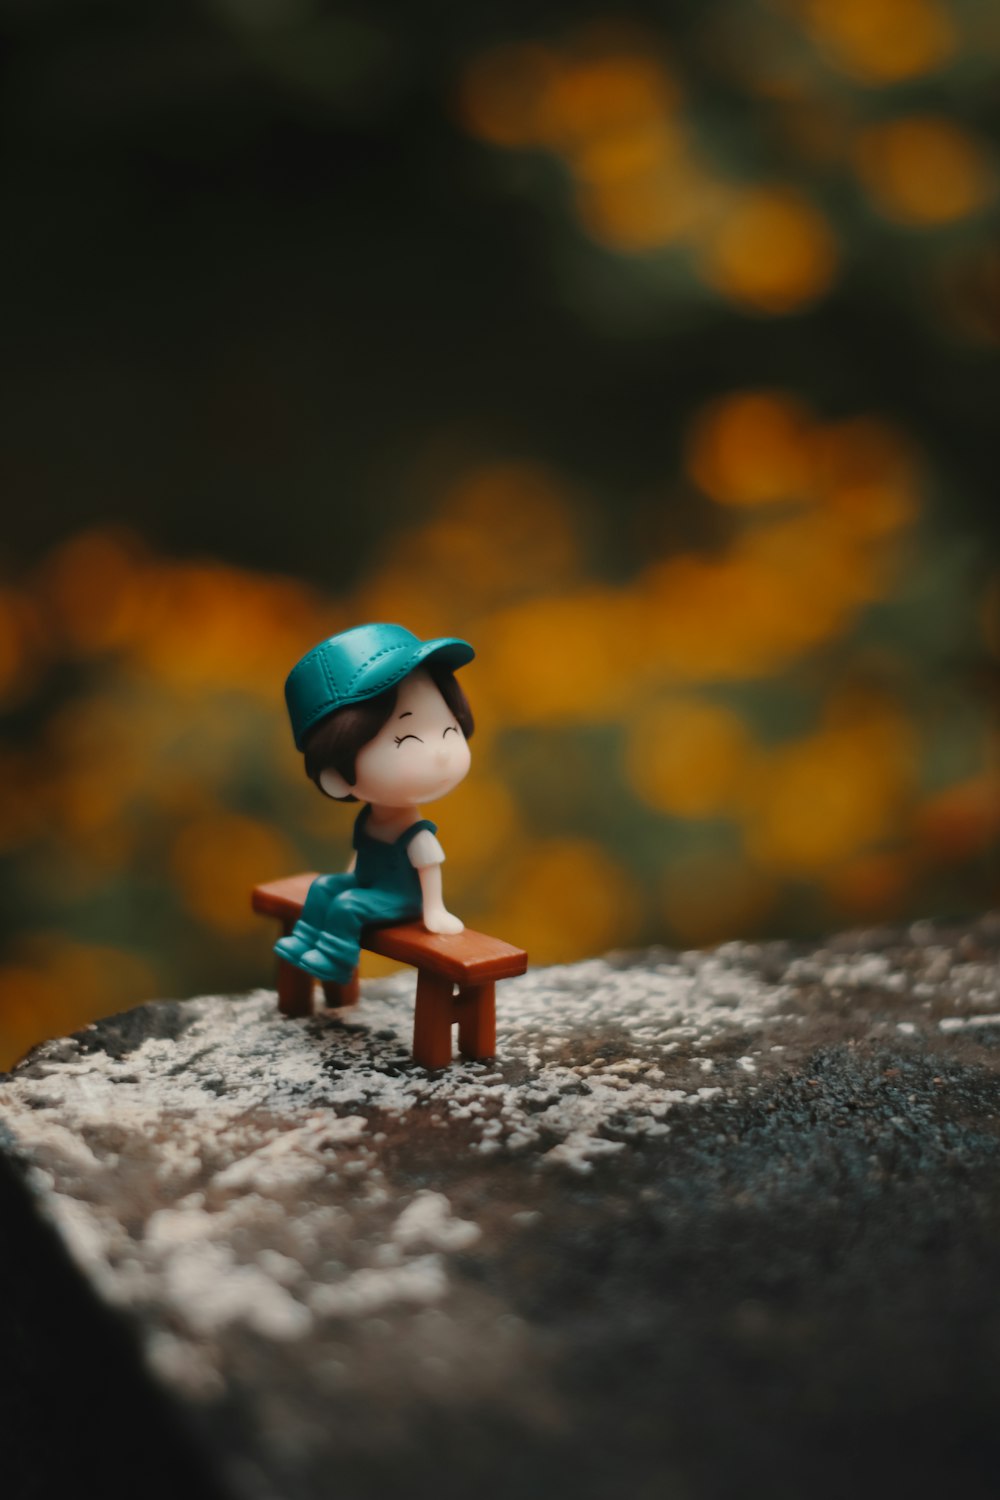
{"x":420,"y":754}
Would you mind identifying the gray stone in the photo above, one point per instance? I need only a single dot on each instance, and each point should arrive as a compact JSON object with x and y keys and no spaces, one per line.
{"x":712,"y":1223}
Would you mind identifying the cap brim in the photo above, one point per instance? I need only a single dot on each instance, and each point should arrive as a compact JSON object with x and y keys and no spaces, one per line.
{"x":448,"y":652}
{"x":391,"y":667}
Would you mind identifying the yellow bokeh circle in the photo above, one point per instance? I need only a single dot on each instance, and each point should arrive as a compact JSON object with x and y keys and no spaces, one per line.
{"x":771,"y":251}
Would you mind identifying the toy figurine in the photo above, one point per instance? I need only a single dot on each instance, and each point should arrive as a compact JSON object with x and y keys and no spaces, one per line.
{"x":379,"y":717}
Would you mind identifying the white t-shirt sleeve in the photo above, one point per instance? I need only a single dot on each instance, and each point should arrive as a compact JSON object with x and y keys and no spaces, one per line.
{"x":425,"y":850}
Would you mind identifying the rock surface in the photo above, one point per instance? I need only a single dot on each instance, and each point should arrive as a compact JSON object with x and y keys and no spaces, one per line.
{"x":712,"y":1224}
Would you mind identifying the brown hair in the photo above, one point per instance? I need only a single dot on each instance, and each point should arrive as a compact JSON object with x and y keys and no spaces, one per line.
{"x":335,"y":741}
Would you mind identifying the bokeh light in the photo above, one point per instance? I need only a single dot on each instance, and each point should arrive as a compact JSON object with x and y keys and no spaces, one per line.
{"x":882,"y":41}
{"x":771,"y":251}
{"x":751,"y":448}
{"x":689,"y":757}
{"x":924,"y":170}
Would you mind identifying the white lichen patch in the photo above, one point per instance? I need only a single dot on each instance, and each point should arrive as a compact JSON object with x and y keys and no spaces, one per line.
{"x":428,"y":1221}
{"x":371,"y":1290}
{"x":207,"y":1281}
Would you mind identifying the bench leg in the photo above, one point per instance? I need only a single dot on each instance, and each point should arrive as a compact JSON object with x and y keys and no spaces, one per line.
{"x":295,"y":986}
{"x":477,"y":1020}
{"x":339,"y":995}
{"x":295,"y":989}
{"x":433,"y":1015}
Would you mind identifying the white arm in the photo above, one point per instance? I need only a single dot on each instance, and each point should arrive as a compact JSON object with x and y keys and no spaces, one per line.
{"x":436,"y":918}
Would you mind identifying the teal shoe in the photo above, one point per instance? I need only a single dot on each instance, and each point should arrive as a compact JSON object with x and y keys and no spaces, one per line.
{"x":297,"y":944}
{"x":321,"y":967}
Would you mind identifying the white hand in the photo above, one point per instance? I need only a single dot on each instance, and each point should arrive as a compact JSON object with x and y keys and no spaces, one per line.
{"x":443,"y":922}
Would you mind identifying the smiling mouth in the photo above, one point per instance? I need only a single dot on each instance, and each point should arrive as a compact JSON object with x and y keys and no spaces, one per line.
{"x":438,"y":787}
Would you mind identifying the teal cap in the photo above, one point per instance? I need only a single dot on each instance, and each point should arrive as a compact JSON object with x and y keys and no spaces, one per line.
{"x":359,"y":664}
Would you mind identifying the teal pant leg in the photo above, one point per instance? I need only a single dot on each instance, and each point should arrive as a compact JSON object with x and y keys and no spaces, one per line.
{"x":338,"y":948}
{"x":324,"y":890}
{"x":303,"y":937}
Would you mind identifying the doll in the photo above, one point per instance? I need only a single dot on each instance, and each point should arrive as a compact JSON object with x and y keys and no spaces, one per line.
{"x":380,"y":718}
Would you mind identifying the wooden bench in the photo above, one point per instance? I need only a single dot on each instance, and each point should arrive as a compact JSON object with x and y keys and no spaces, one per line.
{"x":456,"y":976}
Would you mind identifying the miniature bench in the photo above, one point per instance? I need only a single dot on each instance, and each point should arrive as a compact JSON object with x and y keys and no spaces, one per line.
{"x":456,"y":976}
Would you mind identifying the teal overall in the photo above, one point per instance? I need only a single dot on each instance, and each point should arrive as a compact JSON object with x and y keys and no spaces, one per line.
{"x":383,"y":887}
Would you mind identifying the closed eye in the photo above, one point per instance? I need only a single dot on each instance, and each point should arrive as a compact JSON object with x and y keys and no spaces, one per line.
{"x":450,"y":730}
{"x":401,"y":737}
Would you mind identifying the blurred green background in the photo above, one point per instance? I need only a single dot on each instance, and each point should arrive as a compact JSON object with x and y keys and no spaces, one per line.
{"x":656,"y":356}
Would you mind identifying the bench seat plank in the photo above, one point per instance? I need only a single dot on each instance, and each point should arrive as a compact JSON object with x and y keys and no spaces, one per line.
{"x":466,"y":957}
{"x":283,"y":898}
